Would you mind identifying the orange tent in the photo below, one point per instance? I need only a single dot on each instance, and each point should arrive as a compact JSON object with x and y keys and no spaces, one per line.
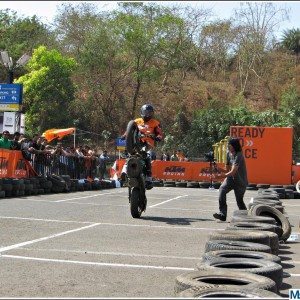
{"x":52,"y":134}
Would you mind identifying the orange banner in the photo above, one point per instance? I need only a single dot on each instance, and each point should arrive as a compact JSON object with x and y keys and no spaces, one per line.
{"x":268,"y":153}
{"x":13,"y":165}
{"x":176,"y":170}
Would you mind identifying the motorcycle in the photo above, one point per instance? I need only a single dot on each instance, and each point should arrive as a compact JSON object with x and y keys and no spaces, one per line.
{"x":136,"y":168}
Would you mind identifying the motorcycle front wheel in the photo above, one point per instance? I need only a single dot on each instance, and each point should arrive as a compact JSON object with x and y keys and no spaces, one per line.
{"x":135,"y":203}
{"x":132,"y":132}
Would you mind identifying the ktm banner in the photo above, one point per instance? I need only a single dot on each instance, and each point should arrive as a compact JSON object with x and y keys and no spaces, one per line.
{"x":184,"y":170}
{"x":13,"y":164}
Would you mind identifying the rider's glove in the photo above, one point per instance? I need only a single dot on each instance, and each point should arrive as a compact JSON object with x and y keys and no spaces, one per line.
{"x":157,"y":139}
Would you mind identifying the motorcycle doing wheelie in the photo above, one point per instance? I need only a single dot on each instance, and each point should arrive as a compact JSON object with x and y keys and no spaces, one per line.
{"x":136,"y":169}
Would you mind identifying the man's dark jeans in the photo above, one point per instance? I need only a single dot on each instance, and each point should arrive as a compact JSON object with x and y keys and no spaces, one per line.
{"x":239,"y":192}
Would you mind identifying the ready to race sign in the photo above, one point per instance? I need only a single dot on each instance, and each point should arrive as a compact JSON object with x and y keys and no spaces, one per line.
{"x":268,"y":152}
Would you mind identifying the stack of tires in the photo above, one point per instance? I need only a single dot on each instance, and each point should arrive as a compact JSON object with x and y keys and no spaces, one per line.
{"x":12,"y":187}
{"x":242,"y":261}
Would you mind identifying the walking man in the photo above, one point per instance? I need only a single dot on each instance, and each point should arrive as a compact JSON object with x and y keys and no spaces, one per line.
{"x":235,"y":179}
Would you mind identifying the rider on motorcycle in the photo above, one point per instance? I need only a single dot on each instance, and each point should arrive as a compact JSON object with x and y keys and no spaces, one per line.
{"x":151,"y":129}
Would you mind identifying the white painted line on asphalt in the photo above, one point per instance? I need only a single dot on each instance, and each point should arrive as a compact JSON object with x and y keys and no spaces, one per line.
{"x":188,"y":209}
{"x":46,"y":220}
{"x":113,"y":253}
{"x":90,"y":196}
{"x":98,"y":264}
{"x":119,"y":224}
{"x":97,"y":204}
{"x":45,"y":238}
{"x":168,"y":200}
{"x":295,"y":275}
{"x":161,"y":226}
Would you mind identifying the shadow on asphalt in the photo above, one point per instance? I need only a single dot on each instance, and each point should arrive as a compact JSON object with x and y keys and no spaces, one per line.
{"x":284,"y":258}
{"x":284,"y":290}
{"x":174,"y":221}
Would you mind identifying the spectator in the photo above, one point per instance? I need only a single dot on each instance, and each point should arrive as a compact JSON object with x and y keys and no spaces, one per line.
{"x":24,"y":143}
{"x":79,"y":151}
{"x":15,"y":143}
{"x":151,"y":154}
{"x":180,"y":155}
{"x":235,"y":179}
{"x":37,"y":148}
{"x":102,"y":165}
{"x":165,"y":156}
{"x":174,"y":156}
{"x":5,"y":142}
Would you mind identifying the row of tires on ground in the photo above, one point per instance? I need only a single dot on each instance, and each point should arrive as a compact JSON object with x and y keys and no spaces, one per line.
{"x":242,"y":260}
{"x":283,"y":191}
{"x":11,"y":187}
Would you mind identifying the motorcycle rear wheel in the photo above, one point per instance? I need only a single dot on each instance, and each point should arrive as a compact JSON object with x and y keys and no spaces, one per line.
{"x":135,"y":203}
{"x":132,"y":137}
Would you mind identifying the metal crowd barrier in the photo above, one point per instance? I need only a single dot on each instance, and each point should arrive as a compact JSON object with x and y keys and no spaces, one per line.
{"x":76,"y":167}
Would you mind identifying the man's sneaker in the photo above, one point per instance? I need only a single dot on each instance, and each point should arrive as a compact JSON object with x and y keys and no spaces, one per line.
{"x":148,"y":183}
{"x":219,"y":217}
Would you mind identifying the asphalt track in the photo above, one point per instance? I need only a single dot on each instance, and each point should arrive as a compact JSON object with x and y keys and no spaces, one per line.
{"x":87,"y":245}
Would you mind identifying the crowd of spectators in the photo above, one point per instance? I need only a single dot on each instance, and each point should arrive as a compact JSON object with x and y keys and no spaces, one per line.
{"x":38,"y":151}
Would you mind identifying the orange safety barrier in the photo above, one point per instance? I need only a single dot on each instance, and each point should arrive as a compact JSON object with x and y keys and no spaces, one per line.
{"x":268,"y":153}
{"x":177,"y":170}
{"x":13,"y":165}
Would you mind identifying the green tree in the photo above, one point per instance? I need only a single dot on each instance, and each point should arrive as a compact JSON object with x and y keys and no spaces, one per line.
{"x":291,"y":40}
{"x":48,"y":90}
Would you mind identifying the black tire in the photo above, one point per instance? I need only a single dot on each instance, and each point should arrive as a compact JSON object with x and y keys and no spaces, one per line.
{"x":212,"y":255}
{"x":261,"y":267}
{"x":227,"y":292}
{"x":274,"y":242}
{"x":7,"y":187}
{"x":132,"y":133}
{"x":297,"y":186}
{"x":281,"y":219}
{"x":262,"y":186}
{"x":169,"y":184}
{"x":180,"y":184}
{"x":289,"y":194}
{"x":206,"y":280}
{"x":192,"y":184}
{"x":217,"y":185}
{"x":267,"y":196}
{"x":135,"y":208}
{"x":266,"y":201}
{"x":213,"y":245}
{"x":236,"y":235}
{"x":2,"y":194}
{"x":255,"y":226}
{"x":251,"y":219}
{"x":278,"y":207}
{"x":204,"y":185}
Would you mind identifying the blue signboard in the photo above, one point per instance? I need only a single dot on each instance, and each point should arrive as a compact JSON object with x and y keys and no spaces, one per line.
{"x":11,"y":93}
{"x":120,"y":144}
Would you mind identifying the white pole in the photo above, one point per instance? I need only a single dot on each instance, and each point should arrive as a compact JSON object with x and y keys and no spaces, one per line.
{"x":74,"y":137}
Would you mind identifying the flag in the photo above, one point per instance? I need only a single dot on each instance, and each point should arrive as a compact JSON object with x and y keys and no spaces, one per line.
{"x":52,"y":134}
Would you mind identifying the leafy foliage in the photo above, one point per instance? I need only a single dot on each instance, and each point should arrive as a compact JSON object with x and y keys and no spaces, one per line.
{"x":48,"y":90}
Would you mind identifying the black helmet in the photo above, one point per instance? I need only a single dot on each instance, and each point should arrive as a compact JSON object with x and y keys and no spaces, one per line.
{"x":147,"y":112}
